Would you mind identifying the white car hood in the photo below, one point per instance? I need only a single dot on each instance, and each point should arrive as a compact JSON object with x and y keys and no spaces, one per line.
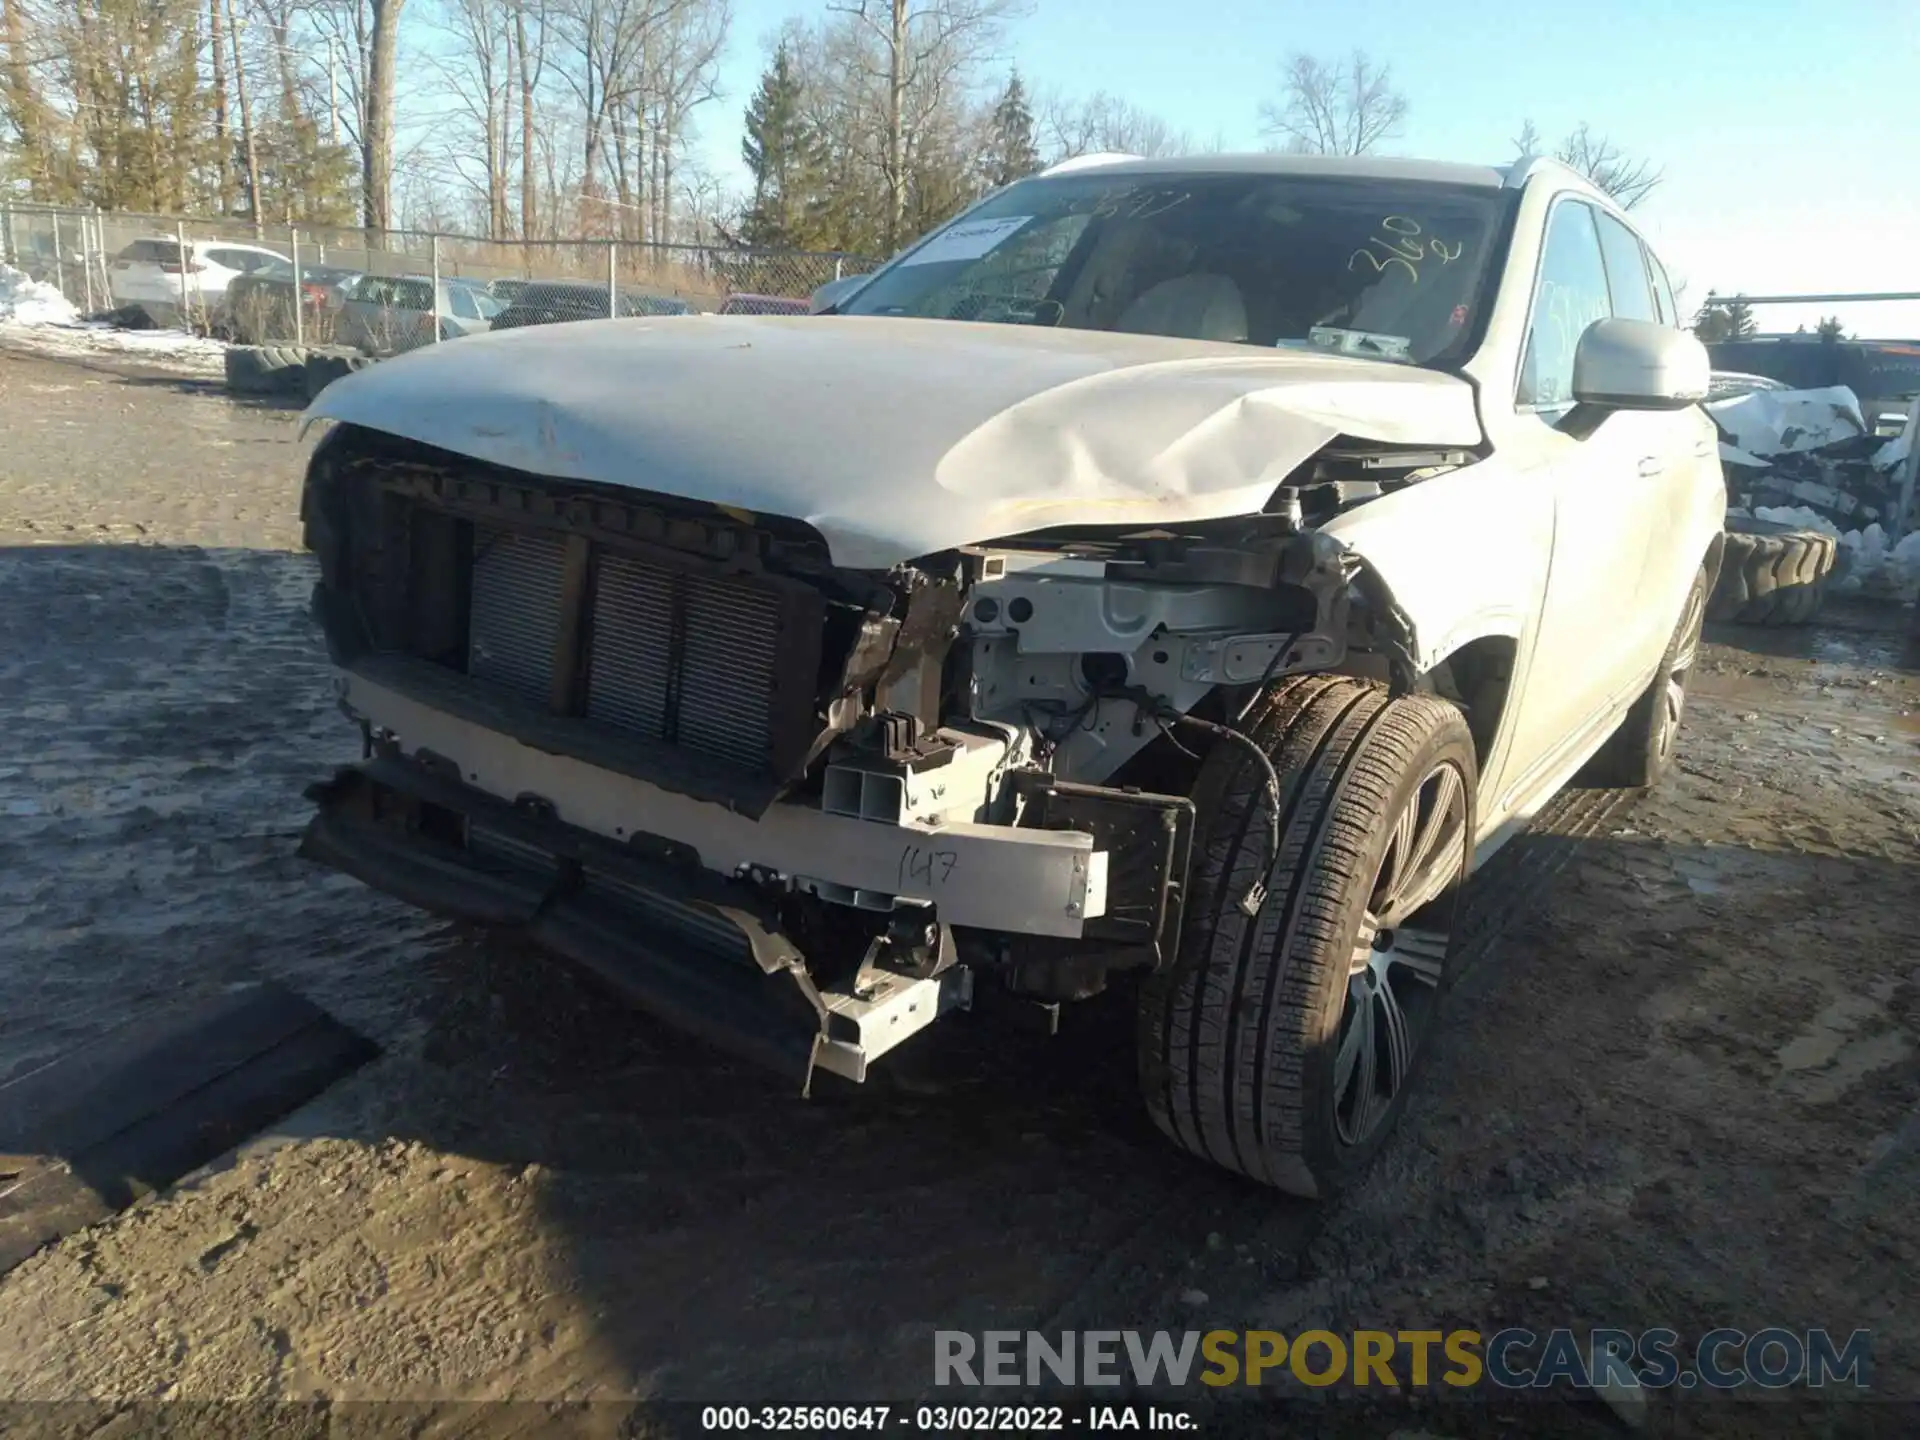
{"x":897,"y":438}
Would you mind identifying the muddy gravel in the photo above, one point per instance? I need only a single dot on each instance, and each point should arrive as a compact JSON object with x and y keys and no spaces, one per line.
{"x":1681,"y":1087}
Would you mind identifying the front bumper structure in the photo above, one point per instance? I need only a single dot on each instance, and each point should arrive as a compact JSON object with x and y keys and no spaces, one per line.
{"x":692,"y":947}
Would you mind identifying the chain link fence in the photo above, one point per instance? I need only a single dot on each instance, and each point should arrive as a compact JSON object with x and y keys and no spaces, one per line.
{"x":384,"y":291}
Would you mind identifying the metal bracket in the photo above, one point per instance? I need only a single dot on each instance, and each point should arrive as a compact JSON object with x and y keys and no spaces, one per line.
{"x":864,"y":1026}
{"x":1243,"y":659}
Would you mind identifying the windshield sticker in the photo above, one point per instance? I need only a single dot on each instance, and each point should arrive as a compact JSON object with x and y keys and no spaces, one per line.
{"x":1402,"y":245}
{"x":1361,"y":342}
{"x":968,"y":240}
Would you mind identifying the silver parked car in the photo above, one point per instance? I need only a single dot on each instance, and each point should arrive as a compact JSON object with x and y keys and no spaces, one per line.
{"x":387,"y":314}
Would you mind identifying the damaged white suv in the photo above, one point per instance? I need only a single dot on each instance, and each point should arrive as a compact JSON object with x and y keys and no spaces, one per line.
{"x":1170,"y":574}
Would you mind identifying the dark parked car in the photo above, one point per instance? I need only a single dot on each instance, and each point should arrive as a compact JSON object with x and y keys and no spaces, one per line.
{"x":764,"y":305}
{"x":259,"y":305}
{"x":554,"y":303}
{"x":1884,"y":374}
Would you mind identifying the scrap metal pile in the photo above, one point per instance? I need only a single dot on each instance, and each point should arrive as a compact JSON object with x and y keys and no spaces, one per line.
{"x":1808,"y":459}
{"x":1811,"y":448}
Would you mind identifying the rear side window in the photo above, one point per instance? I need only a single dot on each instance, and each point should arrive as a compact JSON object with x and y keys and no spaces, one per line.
{"x":412,"y":295}
{"x":1570,"y":295}
{"x":1626,"y":270}
{"x":372,"y":290}
{"x":245,"y":261}
{"x":151,"y":252}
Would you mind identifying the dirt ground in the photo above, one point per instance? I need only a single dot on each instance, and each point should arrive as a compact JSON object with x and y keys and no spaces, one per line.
{"x":1681,"y":1087}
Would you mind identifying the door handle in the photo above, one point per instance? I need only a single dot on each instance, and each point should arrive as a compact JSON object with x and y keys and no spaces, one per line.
{"x":1651,"y":465}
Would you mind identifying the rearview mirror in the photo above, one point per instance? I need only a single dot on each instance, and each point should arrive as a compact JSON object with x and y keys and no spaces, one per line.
{"x":1639,"y":365}
{"x":834,"y":291}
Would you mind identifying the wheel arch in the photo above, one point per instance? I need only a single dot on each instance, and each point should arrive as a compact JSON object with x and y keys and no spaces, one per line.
{"x":1478,"y":676}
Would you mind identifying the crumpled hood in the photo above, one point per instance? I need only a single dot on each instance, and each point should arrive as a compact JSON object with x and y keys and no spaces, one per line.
{"x":897,"y":438}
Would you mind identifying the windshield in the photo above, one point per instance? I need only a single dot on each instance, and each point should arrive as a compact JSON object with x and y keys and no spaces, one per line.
{"x":1389,"y":269}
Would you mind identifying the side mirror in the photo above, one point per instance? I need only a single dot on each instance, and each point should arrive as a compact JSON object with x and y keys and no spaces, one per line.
{"x":834,"y":291}
{"x":1639,"y":365}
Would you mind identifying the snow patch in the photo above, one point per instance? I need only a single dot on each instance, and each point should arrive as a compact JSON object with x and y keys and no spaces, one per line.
{"x":32,"y":302}
{"x":1798,"y":516}
{"x":1871,"y":566}
{"x":1890,"y":571}
{"x":35,"y":316}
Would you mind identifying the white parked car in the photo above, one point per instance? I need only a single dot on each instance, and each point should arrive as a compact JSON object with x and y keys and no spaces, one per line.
{"x":149,"y":273}
{"x":1168,"y":574}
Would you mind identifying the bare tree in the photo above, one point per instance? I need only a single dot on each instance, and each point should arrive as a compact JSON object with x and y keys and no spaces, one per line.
{"x":1102,"y":122}
{"x":926,"y":48}
{"x":1334,"y":107}
{"x":377,"y":135}
{"x":530,"y":63}
{"x":606,"y":44}
{"x":482,"y":83}
{"x":223,"y":157}
{"x":685,"y":77}
{"x":347,"y":25}
{"x":1628,"y":180}
{"x":246,"y":124}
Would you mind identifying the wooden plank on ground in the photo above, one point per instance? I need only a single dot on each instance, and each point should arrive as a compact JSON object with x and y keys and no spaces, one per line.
{"x":129,"y":1115}
{"x":96,"y":1090}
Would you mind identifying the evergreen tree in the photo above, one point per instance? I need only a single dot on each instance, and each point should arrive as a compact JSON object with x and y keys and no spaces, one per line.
{"x":1724,"y":320}
{"x":1831,"y":329}
{"x":1011,"y":152}
{"x":784,"y":158}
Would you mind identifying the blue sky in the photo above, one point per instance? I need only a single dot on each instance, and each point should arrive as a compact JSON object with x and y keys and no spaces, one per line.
{"x":1789,"y":129}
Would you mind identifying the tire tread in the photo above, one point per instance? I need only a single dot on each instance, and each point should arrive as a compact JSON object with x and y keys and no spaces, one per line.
{"x":1228,"y":1029}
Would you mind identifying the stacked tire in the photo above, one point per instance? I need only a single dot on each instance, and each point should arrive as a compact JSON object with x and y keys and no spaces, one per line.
{"x":297,"y":372}
{"x":1772,"y":573}
{"x":266,"y":369}
{"x":325,"y":367}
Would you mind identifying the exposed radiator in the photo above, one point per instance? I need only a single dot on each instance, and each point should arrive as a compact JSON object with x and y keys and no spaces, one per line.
{"x":673,"y":655}
{"x":516,"y":608}
{"x":728,"y":646}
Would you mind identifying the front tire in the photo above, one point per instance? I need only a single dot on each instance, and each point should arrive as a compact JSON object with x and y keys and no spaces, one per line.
{"x":1284,"y":1046}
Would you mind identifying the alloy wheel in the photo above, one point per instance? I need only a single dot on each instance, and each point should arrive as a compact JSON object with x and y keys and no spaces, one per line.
{"x":1399,"y":955}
